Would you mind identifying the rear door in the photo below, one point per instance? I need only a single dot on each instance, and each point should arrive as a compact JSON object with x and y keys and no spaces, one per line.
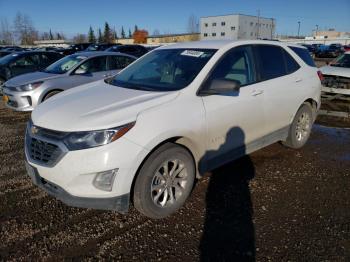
{"x":281,"y":82}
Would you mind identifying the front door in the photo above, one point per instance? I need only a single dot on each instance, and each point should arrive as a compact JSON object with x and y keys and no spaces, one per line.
{"x":234,"y":119}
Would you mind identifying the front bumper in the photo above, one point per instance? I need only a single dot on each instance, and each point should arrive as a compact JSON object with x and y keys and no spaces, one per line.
{"x":20,"y":101}
{"x":119,"y":203}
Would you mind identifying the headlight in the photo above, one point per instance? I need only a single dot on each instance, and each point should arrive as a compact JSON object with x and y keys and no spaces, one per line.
{"x":89,"y":139}
{"x":29,"y":87}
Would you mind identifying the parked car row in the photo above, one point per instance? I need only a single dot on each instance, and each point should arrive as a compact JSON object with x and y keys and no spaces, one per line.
{"x":25,"y":92}
{"x":181,"y":110}
{"x":325,"y":51}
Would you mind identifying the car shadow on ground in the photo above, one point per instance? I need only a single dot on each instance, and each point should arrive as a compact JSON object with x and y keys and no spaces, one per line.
{"x":229,"y":233}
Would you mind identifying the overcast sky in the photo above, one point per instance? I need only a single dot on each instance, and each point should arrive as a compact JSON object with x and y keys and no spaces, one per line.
{"x":75,"y":16}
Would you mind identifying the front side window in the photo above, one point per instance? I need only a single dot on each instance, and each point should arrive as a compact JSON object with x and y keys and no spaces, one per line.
{"x":93,"y":65}
{"x":164,"y":69}
{"x":23,"y":61}
{"x":271,"y":62}
{"x":236,"y":65}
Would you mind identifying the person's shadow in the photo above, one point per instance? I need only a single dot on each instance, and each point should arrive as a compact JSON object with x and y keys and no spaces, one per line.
{"x":229,"y":233}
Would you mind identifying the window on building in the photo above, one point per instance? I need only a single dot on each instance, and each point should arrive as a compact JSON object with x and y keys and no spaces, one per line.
{"x":251,"y":23}
{"x":222,"y":33}
{"x":213,"y":34}
{"x":206,"y":24}
{"x":251,"y":33}
{"x":213,"y":24}
{"x":205,"y":34}
{"x":223,"y":23}
{"x":233,"y":28}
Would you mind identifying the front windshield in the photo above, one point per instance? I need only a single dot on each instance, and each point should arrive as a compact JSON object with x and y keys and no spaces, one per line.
{"x":65,"y":64}
{"x":164,"y":69}
{"x":342,"y":61}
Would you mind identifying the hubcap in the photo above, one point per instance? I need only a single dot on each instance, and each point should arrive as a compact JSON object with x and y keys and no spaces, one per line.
{"x":169,"y":182}
{"x":303,"y":127}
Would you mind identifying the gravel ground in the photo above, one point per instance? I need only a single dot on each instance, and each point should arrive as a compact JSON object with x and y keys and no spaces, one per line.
{"x":277,"y":204}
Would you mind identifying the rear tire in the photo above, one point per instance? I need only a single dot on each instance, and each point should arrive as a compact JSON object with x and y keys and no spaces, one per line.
{"x":164,"y":182}
{"x":300,"y":129}
{"x":50,"y":94}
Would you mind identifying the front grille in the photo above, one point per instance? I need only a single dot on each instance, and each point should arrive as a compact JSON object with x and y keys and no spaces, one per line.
{"x":42,"y":152}
{"x":336,"y":82}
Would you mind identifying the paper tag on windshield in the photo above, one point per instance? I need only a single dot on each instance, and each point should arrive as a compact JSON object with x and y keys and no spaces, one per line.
{"x":193,"y":53}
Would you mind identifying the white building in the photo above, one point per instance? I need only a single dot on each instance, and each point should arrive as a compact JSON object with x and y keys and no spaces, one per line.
{"x":237,"y":27}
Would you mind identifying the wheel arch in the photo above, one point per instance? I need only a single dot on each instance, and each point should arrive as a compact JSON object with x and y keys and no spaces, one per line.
{"x":48,"y":92}
{"x":184,"y":142}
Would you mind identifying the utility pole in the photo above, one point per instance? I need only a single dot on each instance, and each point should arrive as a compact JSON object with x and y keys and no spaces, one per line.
{"x":258,"y":33}
{"x":316,"y":30}
{"x":298,"y":29}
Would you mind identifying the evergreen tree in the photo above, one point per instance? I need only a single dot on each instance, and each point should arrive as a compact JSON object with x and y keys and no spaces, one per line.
{"x":123,"y":32}
{"x":51,"y":35}
{"x":130,"y":35}
{"x":136,"y":28}
{"x":107,"y":35}
{"x":91,"y":36}
{"x":100,"y":37}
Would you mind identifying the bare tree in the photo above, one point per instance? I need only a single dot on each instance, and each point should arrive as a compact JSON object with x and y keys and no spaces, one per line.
{"x":193,"y":24}
{"x":24,"y":29}
{"x":6,"y":35}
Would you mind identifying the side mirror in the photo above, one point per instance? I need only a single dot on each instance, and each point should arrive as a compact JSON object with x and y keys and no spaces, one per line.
{"x":221,"y":87}
{"x":80,"y":71}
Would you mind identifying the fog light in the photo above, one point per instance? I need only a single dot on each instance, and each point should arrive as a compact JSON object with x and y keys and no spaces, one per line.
{"x":104,"y":180}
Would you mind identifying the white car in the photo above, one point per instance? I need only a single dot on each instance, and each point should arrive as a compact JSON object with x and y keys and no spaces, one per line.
{"x":337,"y":73}
{"x":181,"y":110}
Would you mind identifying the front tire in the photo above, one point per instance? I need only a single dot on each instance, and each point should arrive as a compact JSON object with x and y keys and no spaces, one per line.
{"x":164,"y":182}
{"x":300,"y":128}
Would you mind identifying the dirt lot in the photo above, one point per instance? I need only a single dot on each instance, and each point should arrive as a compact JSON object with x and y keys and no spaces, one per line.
{"x":274,"y":205}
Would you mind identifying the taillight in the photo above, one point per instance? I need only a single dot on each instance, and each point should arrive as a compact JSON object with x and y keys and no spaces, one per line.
{"x":320,"y":76}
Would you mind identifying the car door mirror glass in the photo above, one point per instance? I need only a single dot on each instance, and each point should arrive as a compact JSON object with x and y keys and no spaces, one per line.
{"x":222,"y":87}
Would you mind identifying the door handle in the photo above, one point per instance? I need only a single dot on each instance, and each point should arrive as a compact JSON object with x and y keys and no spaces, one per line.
{"x":298,"y":80}
{"x":257,"y":92}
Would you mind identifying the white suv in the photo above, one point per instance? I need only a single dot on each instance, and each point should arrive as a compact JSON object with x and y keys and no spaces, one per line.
{"x":172,"y":115}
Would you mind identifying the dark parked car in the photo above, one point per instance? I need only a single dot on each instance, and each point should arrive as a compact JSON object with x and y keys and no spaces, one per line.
{"x":310,"y":48}
{"x":332,"y":51}
{"x":4,"y":53}
{"x":73,"y":49}
{"x":25,"y":62}
{"x":99,"y":47}
{"x":135,"y":50}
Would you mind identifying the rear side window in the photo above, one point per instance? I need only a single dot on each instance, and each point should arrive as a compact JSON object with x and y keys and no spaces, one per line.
{"x":291,"y":64}
{"x":96,"y":64}
{"x":304,"y":54}
{"x":271,"y":61}
{"x":119,"y":62}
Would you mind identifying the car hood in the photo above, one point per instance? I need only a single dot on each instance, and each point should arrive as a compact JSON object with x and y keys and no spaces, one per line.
{"x":31,"y":78}
{"x":335,"y":71}
{"x":96,"y":106}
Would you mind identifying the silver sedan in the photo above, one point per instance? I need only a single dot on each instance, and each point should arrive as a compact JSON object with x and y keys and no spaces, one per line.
{"x":25,"y":92}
